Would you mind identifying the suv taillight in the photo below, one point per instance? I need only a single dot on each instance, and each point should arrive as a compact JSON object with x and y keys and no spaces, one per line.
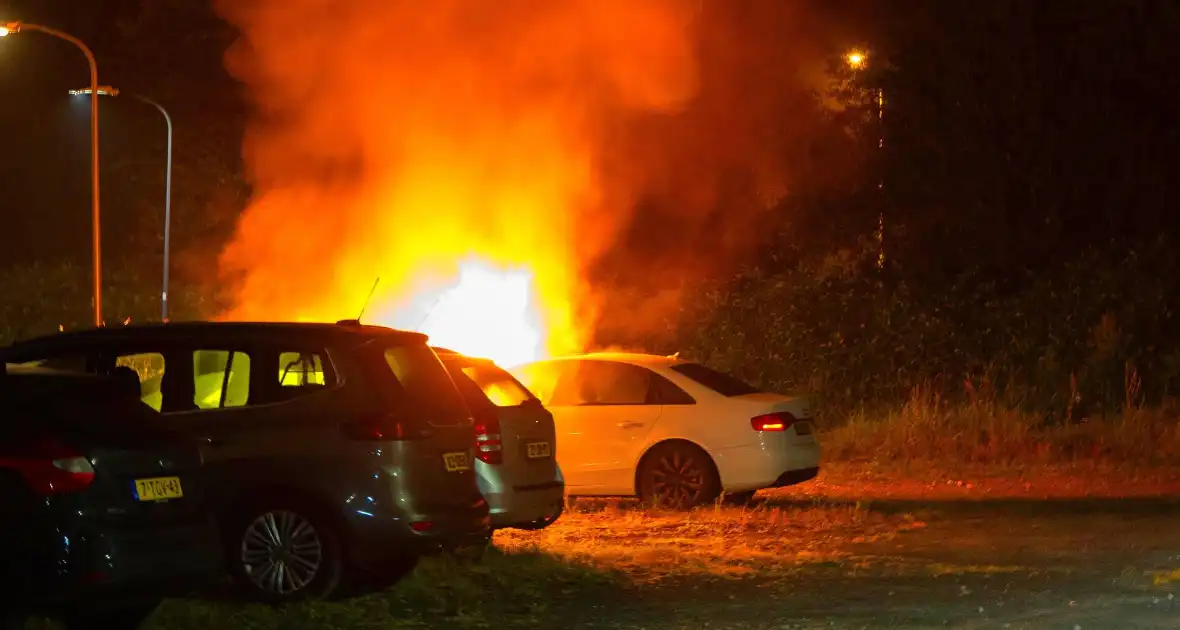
{"x":772,"y":422}
{"x":488,"y":447}
{"x":50,"y":467}
{"x":380,"y":428}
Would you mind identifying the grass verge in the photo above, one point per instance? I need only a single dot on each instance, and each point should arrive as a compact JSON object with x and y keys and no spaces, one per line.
{"x":928,"y":429}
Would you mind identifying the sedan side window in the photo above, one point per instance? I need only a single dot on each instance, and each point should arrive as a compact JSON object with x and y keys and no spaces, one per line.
{"x":609,"y":383}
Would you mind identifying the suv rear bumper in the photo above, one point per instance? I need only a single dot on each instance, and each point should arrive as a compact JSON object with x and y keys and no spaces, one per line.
{"x":523,"y":505}
{"x":375,"y":541}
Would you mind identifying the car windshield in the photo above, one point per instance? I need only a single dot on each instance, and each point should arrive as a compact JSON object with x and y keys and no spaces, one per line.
{"x":497,"y":385}
{"x":719,"y":382}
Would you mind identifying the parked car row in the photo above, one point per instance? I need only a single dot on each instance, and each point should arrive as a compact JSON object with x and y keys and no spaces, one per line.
{"x":305,"y":460}
{"x":323,"y":460}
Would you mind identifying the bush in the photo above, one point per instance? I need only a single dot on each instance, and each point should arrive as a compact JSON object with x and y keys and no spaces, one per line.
{"x":1082,"y":338}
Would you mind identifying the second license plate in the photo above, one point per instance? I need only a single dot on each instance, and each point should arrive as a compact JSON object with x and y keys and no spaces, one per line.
{"x":456,"y":462}
{"x":538,"y":450}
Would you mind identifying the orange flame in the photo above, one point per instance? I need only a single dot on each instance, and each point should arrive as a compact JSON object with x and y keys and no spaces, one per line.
{"x":486,"y":312}
{"x":452,"y":148}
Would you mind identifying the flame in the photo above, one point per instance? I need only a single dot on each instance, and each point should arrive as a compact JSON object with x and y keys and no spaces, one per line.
{"x":453,"y":149}
{"x":487,"y":312}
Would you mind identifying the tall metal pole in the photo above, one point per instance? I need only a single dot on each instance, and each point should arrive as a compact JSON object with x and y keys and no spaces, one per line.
{"x":95,"y":206}
{"x":881,"y":177}
{"x":107,"y":90}
{"x":167,"y":205}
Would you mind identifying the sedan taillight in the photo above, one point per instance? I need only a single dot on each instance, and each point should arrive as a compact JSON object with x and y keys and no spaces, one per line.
{"x":772,"y":422}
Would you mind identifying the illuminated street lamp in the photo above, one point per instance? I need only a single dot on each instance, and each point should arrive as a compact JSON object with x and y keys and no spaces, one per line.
{"x":11,"y":28}
{"x":856,"y":59}
{"x":106,"y":90}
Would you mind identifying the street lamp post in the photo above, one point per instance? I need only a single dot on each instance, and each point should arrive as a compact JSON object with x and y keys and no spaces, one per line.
{"x":16,"y":27}
{"x":107,"y":90}
{"x":858,"y":60}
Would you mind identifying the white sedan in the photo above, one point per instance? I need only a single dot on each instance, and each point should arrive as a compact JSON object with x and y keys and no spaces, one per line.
{"x":671,"y":432}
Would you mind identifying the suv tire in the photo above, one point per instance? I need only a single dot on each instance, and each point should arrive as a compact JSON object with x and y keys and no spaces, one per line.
{"x":284,"y":550}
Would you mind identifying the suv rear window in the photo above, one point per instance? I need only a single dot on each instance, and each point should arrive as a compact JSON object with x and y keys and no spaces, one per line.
{"x":719,"y":382}
{"x":426,"y":382}
{"x":497,"y":385}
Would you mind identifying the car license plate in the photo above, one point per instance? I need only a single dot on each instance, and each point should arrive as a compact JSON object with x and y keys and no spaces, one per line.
{"x":803,"y":428}
{"x":538,"y":450}
{"x":456,"y":462}
{"x":158,"y":489}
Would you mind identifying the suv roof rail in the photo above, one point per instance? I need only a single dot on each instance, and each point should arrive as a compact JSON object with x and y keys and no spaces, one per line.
{"x":349,"y":322}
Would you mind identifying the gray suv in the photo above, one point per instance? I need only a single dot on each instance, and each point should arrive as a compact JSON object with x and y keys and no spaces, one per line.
{"x":336,"y":454}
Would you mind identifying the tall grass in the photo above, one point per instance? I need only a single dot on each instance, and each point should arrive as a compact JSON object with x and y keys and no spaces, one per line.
{"x":929,"y":428}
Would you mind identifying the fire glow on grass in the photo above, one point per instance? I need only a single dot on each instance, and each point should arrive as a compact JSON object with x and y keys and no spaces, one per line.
{"x":453,"y":149}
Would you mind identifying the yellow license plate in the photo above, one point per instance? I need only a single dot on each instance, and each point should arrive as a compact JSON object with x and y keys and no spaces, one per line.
{"x":456,"y":462}
{"x":538,"y":450}
{"x":158,"y":489}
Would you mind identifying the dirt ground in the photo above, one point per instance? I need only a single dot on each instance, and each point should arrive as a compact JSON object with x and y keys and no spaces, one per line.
{"x":1047,"y":549}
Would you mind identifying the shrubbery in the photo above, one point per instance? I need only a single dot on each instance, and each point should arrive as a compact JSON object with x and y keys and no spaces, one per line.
{"x":1084,"y":337}
{"x":38,"y":299}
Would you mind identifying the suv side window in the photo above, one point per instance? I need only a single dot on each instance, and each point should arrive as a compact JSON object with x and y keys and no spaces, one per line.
{"x":302,"y":369}
{"x":221,"y":379}
{"x":148,"y":368}
{"x":595,"y":383}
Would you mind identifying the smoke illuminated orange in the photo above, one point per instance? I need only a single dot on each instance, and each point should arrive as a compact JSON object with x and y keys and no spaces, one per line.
{"x":451,"y":148}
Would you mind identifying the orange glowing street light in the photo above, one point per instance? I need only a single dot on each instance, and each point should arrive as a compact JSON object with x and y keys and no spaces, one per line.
{"x":856,"y":59}
{"x":11,"y":28}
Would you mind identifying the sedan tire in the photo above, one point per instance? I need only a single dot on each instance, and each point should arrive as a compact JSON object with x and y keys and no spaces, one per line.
{"x":678,"y":476}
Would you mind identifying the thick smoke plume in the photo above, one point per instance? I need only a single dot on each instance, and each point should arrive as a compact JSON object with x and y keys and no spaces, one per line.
{"x":400,"y":139}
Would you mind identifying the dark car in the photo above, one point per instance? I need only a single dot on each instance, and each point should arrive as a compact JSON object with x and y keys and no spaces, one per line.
{"x":101,"y":509}
{"x":340,"y":453}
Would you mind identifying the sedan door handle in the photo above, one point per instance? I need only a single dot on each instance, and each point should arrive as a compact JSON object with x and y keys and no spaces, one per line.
{"x":629,"y":425}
